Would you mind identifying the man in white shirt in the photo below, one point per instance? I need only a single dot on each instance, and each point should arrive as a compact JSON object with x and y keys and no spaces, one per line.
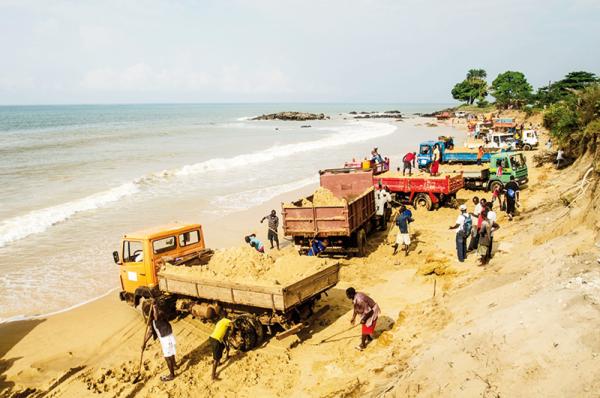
{"x":382,"y":198}
{"x":463,"y":228}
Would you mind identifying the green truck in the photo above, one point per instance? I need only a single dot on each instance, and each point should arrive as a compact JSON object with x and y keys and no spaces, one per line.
{"x":487,"y":176}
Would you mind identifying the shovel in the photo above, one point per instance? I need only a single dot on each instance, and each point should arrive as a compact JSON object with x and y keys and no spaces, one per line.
{"x":336,"y":334}
{"x":139,"y":373}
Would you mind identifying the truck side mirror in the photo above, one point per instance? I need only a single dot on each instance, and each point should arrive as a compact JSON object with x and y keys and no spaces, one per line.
{"x":116,"y":257}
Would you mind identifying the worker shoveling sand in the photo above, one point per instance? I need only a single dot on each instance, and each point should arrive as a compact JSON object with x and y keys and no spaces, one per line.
{"x":241,"y":264}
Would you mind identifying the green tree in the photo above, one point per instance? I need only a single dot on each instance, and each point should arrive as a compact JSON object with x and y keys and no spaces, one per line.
{"x":566,"y":87}
{"x":479,"y":74}
{"x":511,"y":89}
{"x":473,"y":88}
{"x":575,"y":121}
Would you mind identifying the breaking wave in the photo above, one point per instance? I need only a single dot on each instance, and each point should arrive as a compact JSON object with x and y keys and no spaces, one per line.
{"x":38,"y":221}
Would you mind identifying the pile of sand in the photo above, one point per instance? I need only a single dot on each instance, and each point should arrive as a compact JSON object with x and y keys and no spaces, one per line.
{"x":243,"y":264}
{"x":323,"y":197}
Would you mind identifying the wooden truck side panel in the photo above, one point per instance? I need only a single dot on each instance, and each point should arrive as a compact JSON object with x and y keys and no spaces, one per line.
{"x":276,"y":298}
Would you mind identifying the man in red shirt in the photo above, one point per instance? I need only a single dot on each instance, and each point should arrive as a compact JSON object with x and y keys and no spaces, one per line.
{"x":409,"y":162}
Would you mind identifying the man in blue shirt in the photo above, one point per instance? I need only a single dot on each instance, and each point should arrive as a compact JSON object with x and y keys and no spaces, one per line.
{"x":403,"y":237}
{"x":317,"y":247}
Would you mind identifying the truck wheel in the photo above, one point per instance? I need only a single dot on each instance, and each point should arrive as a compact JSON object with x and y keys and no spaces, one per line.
{"x":361,"y":243}
{"x":527,"y":147}
{"x":495,"y":184}
{"x":245,"y":337}
{"x":422,"y":200}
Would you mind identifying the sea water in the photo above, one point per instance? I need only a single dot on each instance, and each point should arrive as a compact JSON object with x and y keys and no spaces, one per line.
{"x":76,"y":178}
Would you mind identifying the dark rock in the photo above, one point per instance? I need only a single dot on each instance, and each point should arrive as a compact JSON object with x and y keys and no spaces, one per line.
{"x":297,"y":116}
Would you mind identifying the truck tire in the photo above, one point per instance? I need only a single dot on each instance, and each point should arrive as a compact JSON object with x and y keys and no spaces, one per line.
{"x":361,"y":243}
{"x":247,"y":333}
{"x":494,"y":184}
{"x":527,"y":147}
{"x":422,"y":200}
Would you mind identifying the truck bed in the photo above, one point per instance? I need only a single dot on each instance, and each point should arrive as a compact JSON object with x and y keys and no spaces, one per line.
{"x":271,"y":297}
{"x":420,"y":182}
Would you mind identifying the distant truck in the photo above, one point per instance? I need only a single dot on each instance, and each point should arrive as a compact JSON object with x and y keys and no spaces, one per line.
{"x":345,"y":226}
{"x":425,"y":156}
{"x":255,"y":309}
{"x":486,"y":176}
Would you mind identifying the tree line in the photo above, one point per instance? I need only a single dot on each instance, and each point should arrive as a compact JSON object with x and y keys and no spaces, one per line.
{"x":511,"y":89}
{"x":570,"y":106}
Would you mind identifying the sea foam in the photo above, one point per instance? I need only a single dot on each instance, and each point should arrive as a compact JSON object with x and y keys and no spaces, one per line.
{"x":38,"y":221}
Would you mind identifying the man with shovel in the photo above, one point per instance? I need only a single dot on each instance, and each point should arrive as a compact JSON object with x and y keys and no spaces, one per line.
{"x":273,"y":222}
{"x":368,"y":310}
{"x":161,"y":329}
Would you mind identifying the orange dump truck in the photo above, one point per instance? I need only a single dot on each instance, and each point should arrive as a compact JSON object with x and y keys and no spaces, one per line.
{"x":257,"y":309}
{"x":345,"y":224}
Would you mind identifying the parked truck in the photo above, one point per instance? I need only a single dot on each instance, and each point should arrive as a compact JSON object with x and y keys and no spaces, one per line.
{"x":425,"y":156}
{"x":486,"y":176}
{"x":421,"y":189}
{"x":346,"y":225}
{"x":257,"y":310}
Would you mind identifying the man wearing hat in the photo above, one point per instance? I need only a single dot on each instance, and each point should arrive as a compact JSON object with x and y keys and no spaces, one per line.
{"x":463,"y":228}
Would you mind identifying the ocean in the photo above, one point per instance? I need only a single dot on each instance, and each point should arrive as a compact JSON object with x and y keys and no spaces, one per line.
{"x":76,"y":178}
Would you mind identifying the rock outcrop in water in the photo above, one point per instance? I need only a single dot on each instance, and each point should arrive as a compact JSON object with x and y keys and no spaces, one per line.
{"x":377,"y":115}
{"x":297,"y":116}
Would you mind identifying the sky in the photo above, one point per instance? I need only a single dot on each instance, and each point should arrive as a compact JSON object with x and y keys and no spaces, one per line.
{"x":401,"y":51}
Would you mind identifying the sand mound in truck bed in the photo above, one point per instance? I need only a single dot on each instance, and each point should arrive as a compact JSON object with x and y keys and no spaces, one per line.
{"x":244,"y":264}
{"x":321,"y":197}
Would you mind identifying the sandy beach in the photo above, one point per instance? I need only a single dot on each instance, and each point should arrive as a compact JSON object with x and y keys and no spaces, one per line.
{"x":525,"y":325}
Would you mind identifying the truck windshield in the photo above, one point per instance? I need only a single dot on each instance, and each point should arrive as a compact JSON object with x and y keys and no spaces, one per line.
{"x":517,"y":161}
{"x":133,"y":251}
{"x":424,"y":150}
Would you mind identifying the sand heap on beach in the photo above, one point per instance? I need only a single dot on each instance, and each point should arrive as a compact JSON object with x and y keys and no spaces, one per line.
{"x":243,"y":264}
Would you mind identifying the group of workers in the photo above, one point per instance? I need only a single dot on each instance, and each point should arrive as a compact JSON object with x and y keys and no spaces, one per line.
{"x":162,"y":330}
{"x":480,"y":224}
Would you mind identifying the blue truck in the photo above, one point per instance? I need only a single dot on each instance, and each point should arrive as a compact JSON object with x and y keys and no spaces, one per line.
{"x":425,"y":157}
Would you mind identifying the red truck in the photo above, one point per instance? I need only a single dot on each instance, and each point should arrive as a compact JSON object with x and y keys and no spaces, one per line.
{"x":421,"y":189}
{"x":345,"y":224}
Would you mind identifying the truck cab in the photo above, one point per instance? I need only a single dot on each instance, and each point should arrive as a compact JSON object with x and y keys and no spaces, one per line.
{"x":501,"y":141}
{"x":512,"y":163}
{"x":425,"y":155}
{"x":141,"y":255}
{"x":529,"y":140}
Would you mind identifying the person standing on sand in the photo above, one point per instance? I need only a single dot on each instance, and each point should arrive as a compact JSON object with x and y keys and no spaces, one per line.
{"x":273,"y":222}
{"x":161,"y":329}
{"x":463,"y":229}
{"x":560,"y":157}
{"x":382,"y":198}
{"x":486,"y":236}
{"x":511,"y":196}
{"x":253,"y":241}
{"x":403,"y":236}
{"x":474,"y":229}
{"x":368,"y":310}
{"x":496,"y":196}
{"x":218,"y":342}
{"x":409,"y":162}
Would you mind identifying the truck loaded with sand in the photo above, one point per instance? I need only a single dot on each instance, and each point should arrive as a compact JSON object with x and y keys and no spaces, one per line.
{"x":264,"y":296}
